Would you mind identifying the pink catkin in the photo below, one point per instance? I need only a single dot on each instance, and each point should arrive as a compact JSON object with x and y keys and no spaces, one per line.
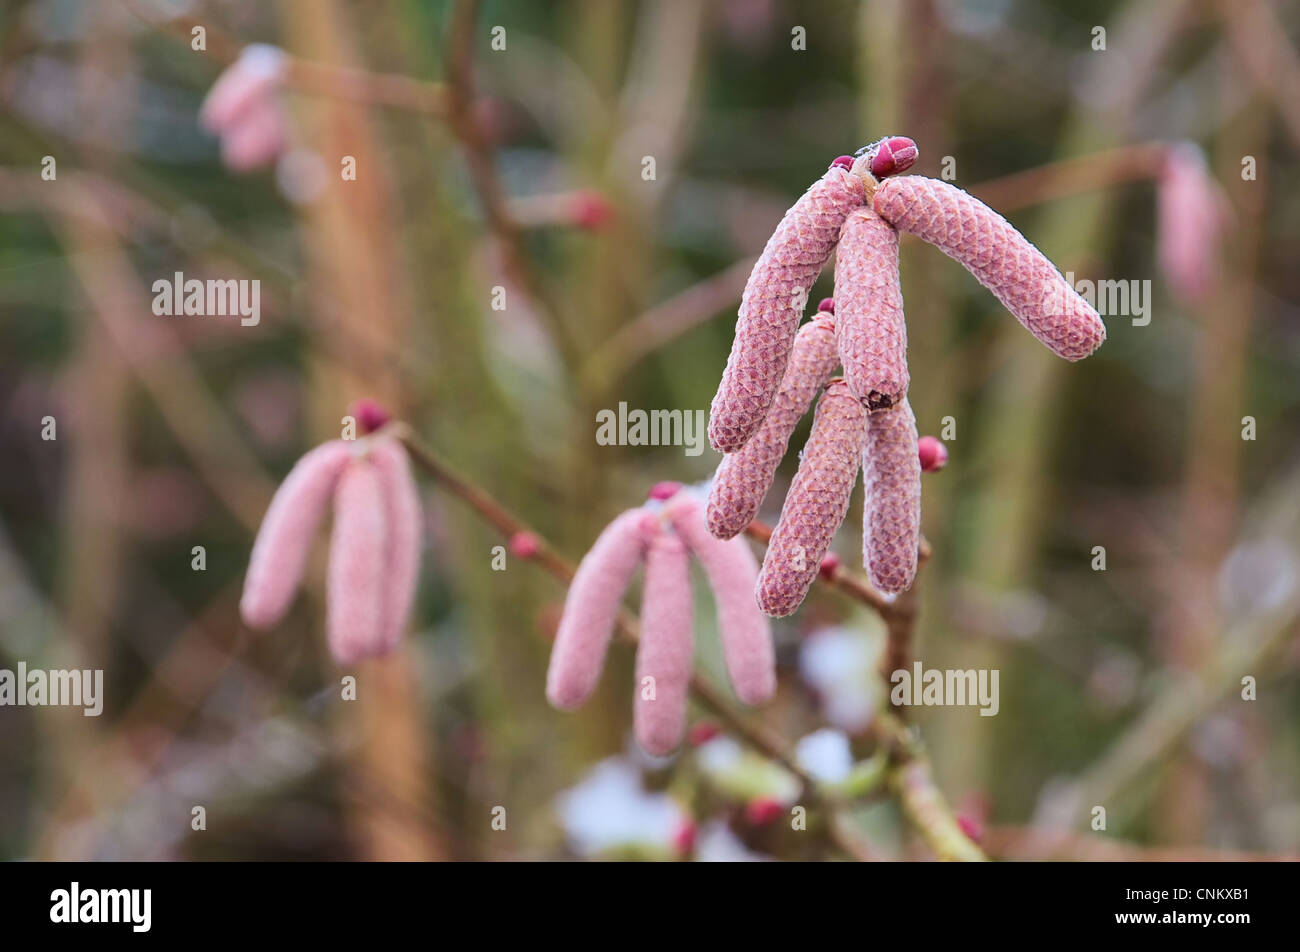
{"x":357,"y":576}
{"x":773,"y":302}
{"x":666,"y":647}
{"x":869,"y":326}
{"x":891,"y":475}
{"x":256,"y":139}
{"x":1190,"y":223}
{"x":744,"y":477}
{"x":1017,"y":273}
{"x":591,"y":609}
{"x":284,"y":540}
{"x":732,"y":571}
{"x":817,"y":501}
{"x":401,"y":498}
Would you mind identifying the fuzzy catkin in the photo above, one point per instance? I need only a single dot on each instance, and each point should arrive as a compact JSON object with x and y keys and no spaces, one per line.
{"x":891,"y":476}
{"x":817,"y":501}
{"x":401,"y":499}
{"x":284,"y":540}
{"x":591,"y":608}
{"x":773,"y":302}
{"x":1003,"y":260}
{"x":744,"y":477}
{"x":732,"y":571}
{"x":666,"y":648}
{"x":354,"y":584}
{"x":869,"y":327}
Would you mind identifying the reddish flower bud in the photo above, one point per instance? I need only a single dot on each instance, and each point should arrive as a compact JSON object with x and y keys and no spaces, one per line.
{"x":664,"y":490}
{"x":830,"y":565}
{"x":934,"y":455}
{"x":524,"y":545}
{"x":844,"y":162}
{"x":591,"y":210}
{"x":370,"y":416}
{"x":827,"y":304}
{"x":893,"y":155}
{"x":684,"y":838}
{"x":701,"y":732}
{"x":763,"y":810}
{"x":971,"y":826}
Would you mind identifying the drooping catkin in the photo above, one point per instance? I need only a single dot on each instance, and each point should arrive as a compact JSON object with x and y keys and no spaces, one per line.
{"x":591,"y":608}
{"x":401,"y":499}
{"x":744,"y":477}
{"x":773,"y":302}
{"x":665,"y":652}
{"x":869,"y":326}
{"x":354,"y":585}
{"x":817,"y":501}
{"x":284,"y":540}
{"x":1003,"y":260}
{"x":891,"y":476}
{"x":732,"y":571}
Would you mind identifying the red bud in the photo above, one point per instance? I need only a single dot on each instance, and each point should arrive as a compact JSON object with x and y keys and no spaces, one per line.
{"x":893,"y":155}
{"x":664,"y":490}
{"x":934,"y":455}
{"x":827,"y":304}
{"x":370,"y":416}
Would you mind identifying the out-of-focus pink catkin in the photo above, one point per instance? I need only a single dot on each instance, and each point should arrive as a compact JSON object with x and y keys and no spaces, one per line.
{"x":401,"y":500}
{"x":283,"y":544}
{"x":869,"y":326}
{"x":244,"y":110}
{"x":744,"y":477}
{"x":664,"y":655}
{"x":358,"y":570}
{"x":891,"y":475}
{"x":1190,"y":219}
{"x":732,"y":571}
{"x":591,"y":609}
{"x":1001,"y":258}
{"x":774,"y":299}
{"x":817,"y":501}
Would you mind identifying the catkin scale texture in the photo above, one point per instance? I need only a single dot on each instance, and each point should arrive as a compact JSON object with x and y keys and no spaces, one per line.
{"x":1001,"y":258}
{"x":354,"y":584}
{"x":817,"y":501}
{"x":401,"y":498}
{"x":732,"y":571}
{"x":891,"y":476}
{"x":773,"y":302}
{"x":279,"y":557}
{"x":869,"y":327}
{"x":744,"y":477}
{"x":666,"y":647}
{"x":591,"y":608}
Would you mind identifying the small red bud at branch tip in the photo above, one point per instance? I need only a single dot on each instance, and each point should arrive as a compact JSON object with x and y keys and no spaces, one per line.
{"x":684,"y":839}
{"x":893,"y":155}
{"x":830,"y":565}
{"x":524,"y":545}
{"x":664,"y":490}
{"x":933,"y":454}
{"x":591,"y":210}
{"x":971,"y":827}
{"x":827,"y":304}
{"x":370,"y":416}
{"x":763,"y":810}
{"x":844,"y":162}
{"x":701,"y":733}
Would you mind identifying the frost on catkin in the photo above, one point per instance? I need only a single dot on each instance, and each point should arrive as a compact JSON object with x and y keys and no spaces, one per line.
{"x":591,"y":608}
{"x":869,"y":326}
{"x":744,"y":477}
{"x":401,"y":499}
{"x":732,"y":571}
{"x":1001,"y":258}
{"x":354,"y":584}
{"x":891,"y":475}
{"x":773,"y":302}
{"x":666,"y":648}
{"x":284,"y":540}
{"x":817,"y":501}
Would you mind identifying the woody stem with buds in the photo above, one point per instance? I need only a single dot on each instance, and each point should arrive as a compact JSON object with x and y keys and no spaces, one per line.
{"x":924,"y":806}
